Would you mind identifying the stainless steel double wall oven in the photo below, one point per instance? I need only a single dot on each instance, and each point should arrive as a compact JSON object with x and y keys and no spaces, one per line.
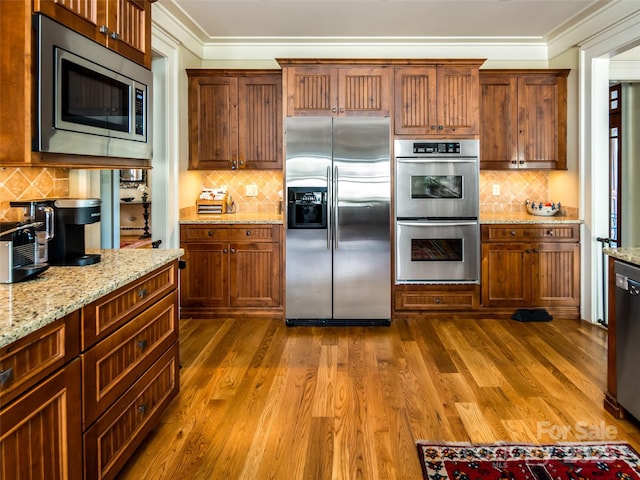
{"x":437,"y":207}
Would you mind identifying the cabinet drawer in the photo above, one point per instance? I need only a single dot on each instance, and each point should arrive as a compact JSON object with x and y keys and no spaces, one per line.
{"x":517,"y":232}
{"x":110,"y":312}
{"x":112,"y":365}
{"x":109,"y":443}
{"x":442,"y":297}
{"x":247,"y":232}
{"x":27,"y":361}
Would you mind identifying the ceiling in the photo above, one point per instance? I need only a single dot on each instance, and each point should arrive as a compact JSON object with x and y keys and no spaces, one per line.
{"x":321,"y":20}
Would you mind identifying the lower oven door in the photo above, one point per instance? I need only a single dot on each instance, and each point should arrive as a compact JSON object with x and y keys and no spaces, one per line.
{"x":437,"y":252}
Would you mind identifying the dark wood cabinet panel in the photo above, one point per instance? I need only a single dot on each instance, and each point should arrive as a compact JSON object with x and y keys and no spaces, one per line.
{"x":531,"y":266}
{"x":235,"y":119}
{"x":336,"y":90}
{"x":437,"y":100}
{"x":231,"y":270}
{"x":523,"y":119}
{"x":40,"y":433}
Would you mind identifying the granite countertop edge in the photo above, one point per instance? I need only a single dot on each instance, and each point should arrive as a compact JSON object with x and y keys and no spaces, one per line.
{"x":626,"y":254}
{"x":28,"y":306}
{"x":525,"y":218}
{"x":233,"y":218}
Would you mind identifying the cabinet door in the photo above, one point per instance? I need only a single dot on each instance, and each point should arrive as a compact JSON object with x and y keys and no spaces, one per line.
{"x":255,"y":275}
{"x":506,"y":275}
{"x":312,"y":91}
{"x":363,"y":92}
{"x":415,"y":100}
{"x":204,"y":280}
{"x":498,"y":122}
{"x":556,"y":274}
{"x":40,"y":433}
{"x":129,"y":23}
{"x":260,"y":122}
{"x":86,"y":18}
{"x":541,"y":122}
{"x":458,"y":103}
{"x":213,"y":122}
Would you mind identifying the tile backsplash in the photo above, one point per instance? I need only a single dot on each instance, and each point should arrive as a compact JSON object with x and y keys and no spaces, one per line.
{"x":269,"y":185}
{"x":25,"y":183}
{"x":515,"y":188}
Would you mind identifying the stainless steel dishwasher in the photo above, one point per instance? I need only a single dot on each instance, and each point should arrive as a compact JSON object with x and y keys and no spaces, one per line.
{"x":627,"y":326}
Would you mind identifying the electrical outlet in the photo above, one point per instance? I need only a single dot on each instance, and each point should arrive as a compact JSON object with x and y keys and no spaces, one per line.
{"x":251,"y":190}
{"x":496,"y":189}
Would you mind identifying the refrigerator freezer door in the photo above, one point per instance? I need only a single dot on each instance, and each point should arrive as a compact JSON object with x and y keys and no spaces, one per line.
{"x":308,"y":251}
{"x":361,"y":233}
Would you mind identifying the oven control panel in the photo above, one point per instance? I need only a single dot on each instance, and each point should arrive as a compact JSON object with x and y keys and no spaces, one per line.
{"x":436,"y":147}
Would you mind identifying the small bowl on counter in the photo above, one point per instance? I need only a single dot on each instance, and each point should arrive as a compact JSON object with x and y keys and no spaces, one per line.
{"x":542,"y":209}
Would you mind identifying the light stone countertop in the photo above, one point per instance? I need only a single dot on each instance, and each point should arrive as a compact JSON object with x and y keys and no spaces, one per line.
{"x":524,"y":218}
{"x":27,"y":306}
{"x":626,"y":254}
{"x":231,"y":218}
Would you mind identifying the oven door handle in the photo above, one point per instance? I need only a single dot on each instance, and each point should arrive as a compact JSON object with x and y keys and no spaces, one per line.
{"x":437,"y":160}
{"x":444,"y":223}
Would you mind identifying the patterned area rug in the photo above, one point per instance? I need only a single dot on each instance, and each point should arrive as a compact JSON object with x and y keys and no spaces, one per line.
{"x":458,"y":461}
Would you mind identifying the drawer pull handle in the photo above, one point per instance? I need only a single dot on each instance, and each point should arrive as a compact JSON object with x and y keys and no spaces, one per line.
{"x":210,"y":233}
{"x":5,"y":375}
{"x":437,"y":300}
{"x":248,"y":233}
{"x":512,"y":233}
{"x":233,"y":250}
{"x":550,"y":233}
{"x":142,"y":293}
{"x":142,"y":344}
{"x":142,"y":408}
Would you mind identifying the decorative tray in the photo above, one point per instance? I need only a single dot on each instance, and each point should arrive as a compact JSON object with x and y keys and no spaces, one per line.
{"x":542,"y":209}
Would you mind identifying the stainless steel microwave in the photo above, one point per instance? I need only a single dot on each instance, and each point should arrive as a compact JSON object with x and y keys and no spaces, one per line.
{"x":90,"y":100}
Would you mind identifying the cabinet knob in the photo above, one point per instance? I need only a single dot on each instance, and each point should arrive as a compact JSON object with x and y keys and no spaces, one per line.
{"x":440,"y":127}
{"x":248,"y":233}
{"x":437,"y":300}
{"x":535,"y":250}
{"x":433,"y":127}
{"x":142,"y":408}
{"x":527,"y":251}
{"x":5,"y":375}
{"x":142,"y":344}
{"x":550,"y":233}
{"x":115,"y":36}
{"x":514,"y":162}
{"x":224,"y":250}
{"x":512,"y":233}
{"x":142,"y":293}
{"x":521,"y":162}
{"x":334,"y":109}
{"x":103,"y":29}
{"x":210,"y":233}
{"x":233,"y":250}
{"x":342,"y":110}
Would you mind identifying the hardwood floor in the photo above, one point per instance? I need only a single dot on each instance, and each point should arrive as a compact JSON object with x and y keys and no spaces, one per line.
{"x":260,"y":400}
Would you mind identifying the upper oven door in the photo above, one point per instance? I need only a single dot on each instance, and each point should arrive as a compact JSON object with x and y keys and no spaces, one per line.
{"x":436,"y":187}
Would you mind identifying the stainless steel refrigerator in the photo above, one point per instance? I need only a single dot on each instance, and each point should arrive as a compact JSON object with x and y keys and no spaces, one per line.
{"x":338,"y":235}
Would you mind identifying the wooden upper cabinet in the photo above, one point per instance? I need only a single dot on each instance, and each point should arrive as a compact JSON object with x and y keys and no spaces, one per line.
{"x":235,"y":119}
{"x":121,"y":25}
{"x":523,"y":119}
{"x":437,"y":99}
{"x":336,"y":90}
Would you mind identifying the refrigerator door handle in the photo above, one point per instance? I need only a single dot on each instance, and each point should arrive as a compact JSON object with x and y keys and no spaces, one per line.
{"x":335,"y":208}
{"x":329,"y":214}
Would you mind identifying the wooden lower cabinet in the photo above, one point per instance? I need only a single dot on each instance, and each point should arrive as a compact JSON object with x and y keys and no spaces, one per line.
{"x":532,"y":266}
{"x":79,"y":395}
{"x":231,"y":269}
{"x":40,"y":433}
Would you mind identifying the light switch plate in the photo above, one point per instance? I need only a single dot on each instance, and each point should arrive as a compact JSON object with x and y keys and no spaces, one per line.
{"x":251,"y":190}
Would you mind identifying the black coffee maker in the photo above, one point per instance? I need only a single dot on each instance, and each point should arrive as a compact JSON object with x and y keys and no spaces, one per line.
{"x":70,"y":215}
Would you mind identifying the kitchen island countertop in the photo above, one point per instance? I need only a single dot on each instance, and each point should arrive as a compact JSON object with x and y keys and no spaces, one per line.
{"x":231,"y":218}
{"x":524,"y":218}
{"x":626,"y":254}
{"x":27,"y":306}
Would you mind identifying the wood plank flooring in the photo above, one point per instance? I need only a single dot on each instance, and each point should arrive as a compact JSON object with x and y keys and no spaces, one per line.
{"x":260,"y":400}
